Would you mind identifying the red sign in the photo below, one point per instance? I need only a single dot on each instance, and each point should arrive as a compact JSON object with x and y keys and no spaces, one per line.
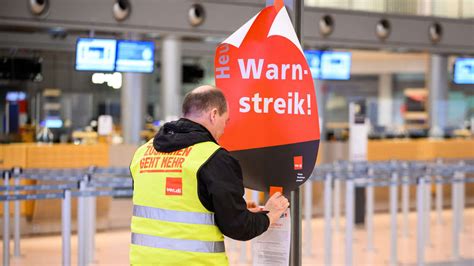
{"x":298,"y":162}
{"x":264,"y":75}
{"x":174,"y":186}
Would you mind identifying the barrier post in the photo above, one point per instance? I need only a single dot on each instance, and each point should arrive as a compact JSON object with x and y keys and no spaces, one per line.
{"x":349,"y":219}
{"x":6,"y":222}
{"x":428,"y":210}
{"x":91,"y":221}
{"x":337,"y":198}
{"x":327,"y":220}
{"x":439,"y":195}
{"x":81,"y":223}
{"x":455,"y":207}
{"x":369,"y":224}
{"x":393,"y":218}
{"x":66,"y":227}
{"x":16,"y":219}
{"x":420,"y":230}
{"x":308,"y":216}
{"x":439,"y":200}
{"x":462,"y":196}
{"x":243,"y":252}
{"x":405,"y":204}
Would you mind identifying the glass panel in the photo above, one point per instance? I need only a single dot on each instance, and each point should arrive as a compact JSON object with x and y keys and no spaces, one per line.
{"x":439,"y":8}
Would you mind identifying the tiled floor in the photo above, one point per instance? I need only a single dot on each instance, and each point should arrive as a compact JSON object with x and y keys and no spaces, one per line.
{"x":112,"y":247}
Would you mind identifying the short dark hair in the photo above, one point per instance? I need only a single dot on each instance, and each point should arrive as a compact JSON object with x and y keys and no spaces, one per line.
{"x":202,"y":101}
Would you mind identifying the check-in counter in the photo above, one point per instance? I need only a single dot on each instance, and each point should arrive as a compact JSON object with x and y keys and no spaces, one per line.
{"x":45,"y":215}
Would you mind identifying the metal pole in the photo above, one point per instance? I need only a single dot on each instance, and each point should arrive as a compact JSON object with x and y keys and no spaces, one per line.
{"x":6,"y":223}
{"x":349,"y":219}
{"x":428,"y":211}
{"x":405,"y":204}
{"x":295,"y":214}
{"x":327,"y":220}
{"x":16,"y":221}
{"x":296,"y":12}
{"x":243,"y":252}
{"x":439,"y":200}
{"x":455,"y":206}
{"x":337,"y":203}
{"x":420,"y":244}
{"x":81,"y":225}
{"x":439,"y":195}
{"x":308,"y":207}
{"x":91,"y":228}
{"x":66,"y":227}
{"x":462,"y":197}
{"x":393,"y":218}
{"x":369,"y":225}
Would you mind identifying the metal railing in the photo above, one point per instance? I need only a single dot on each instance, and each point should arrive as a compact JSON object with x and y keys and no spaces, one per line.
{"x":86,"y":184}
{"x":393,"y":174}
{"x":372,"y":175}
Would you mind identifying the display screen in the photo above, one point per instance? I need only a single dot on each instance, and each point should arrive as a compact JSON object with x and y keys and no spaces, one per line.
{"x":314,"y":62}
{"x":464,"y":71}
{"x":336,"y":65}
{"x":135,"y":56}
{"x":52,"y":122}
{"x":95,"y":54}
{"x":329,"y":65}
{"x":15,"y":96}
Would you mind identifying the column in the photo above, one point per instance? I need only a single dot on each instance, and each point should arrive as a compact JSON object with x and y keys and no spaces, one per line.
{"x":385,"y":103}
{"x":171,"y":77}
{"x":132,"y":107}
{"x":320,"y":95}
{"x":438,"y":94}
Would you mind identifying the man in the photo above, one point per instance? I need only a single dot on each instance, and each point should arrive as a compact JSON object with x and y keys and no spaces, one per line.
{"x":188,"y":191}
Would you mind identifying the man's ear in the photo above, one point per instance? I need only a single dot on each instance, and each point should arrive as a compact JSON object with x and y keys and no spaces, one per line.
{"x":213,"y":115}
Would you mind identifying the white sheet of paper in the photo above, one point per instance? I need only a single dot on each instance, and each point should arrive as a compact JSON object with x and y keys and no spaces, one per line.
{"x":105,"y":125}
{"x":273,"y":246}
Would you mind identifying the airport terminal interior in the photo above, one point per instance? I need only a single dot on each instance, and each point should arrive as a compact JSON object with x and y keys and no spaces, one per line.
{"x":84,"y":83}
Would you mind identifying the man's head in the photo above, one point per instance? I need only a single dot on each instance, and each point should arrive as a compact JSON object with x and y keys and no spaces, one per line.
{"x":207,"y":106}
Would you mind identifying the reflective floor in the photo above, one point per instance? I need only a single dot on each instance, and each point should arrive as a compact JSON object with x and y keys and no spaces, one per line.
{"x":112,"y":247}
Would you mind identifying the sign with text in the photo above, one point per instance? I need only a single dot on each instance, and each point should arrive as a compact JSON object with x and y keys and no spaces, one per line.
{"x":273,"y":128}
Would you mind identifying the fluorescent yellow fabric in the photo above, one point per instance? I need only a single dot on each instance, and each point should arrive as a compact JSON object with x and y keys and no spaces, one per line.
{"x":155,"y":186}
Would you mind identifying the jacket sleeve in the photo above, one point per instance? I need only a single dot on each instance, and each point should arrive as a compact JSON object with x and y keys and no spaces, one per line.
{"x":221,"y":190}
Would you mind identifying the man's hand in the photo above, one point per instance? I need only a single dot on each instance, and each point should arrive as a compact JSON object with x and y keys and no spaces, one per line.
{"x":276,"y":206}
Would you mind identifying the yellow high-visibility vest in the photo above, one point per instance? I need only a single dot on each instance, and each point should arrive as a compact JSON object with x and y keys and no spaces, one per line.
{"x":170,"y":226}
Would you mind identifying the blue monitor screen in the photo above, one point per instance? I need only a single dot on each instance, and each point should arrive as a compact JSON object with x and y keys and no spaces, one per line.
{"x":329,"y":65}
{"x":95,"y":54}
{"x":135,"y":56}
{"x":336,"y":65}
{"x":52,"y":122}
{"x":464,"y":71}
{"x":15,"y":96}
{"x":314,"y":62}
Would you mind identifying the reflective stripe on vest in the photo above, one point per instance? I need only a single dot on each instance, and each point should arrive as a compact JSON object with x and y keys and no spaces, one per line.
{"x":178,"y":244}
{"x":173,"y":216}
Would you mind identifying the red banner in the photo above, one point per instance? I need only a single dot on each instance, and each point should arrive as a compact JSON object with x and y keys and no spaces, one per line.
{"x":273,"y":128}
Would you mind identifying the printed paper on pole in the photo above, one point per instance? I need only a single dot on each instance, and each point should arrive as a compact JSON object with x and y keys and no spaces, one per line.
{"x":273,"y":246}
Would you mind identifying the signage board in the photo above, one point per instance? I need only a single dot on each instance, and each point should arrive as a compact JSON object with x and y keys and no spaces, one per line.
{"x":273,"y":128}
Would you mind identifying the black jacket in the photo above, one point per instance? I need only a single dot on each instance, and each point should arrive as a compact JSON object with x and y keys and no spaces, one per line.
{"x":220,"y":185}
